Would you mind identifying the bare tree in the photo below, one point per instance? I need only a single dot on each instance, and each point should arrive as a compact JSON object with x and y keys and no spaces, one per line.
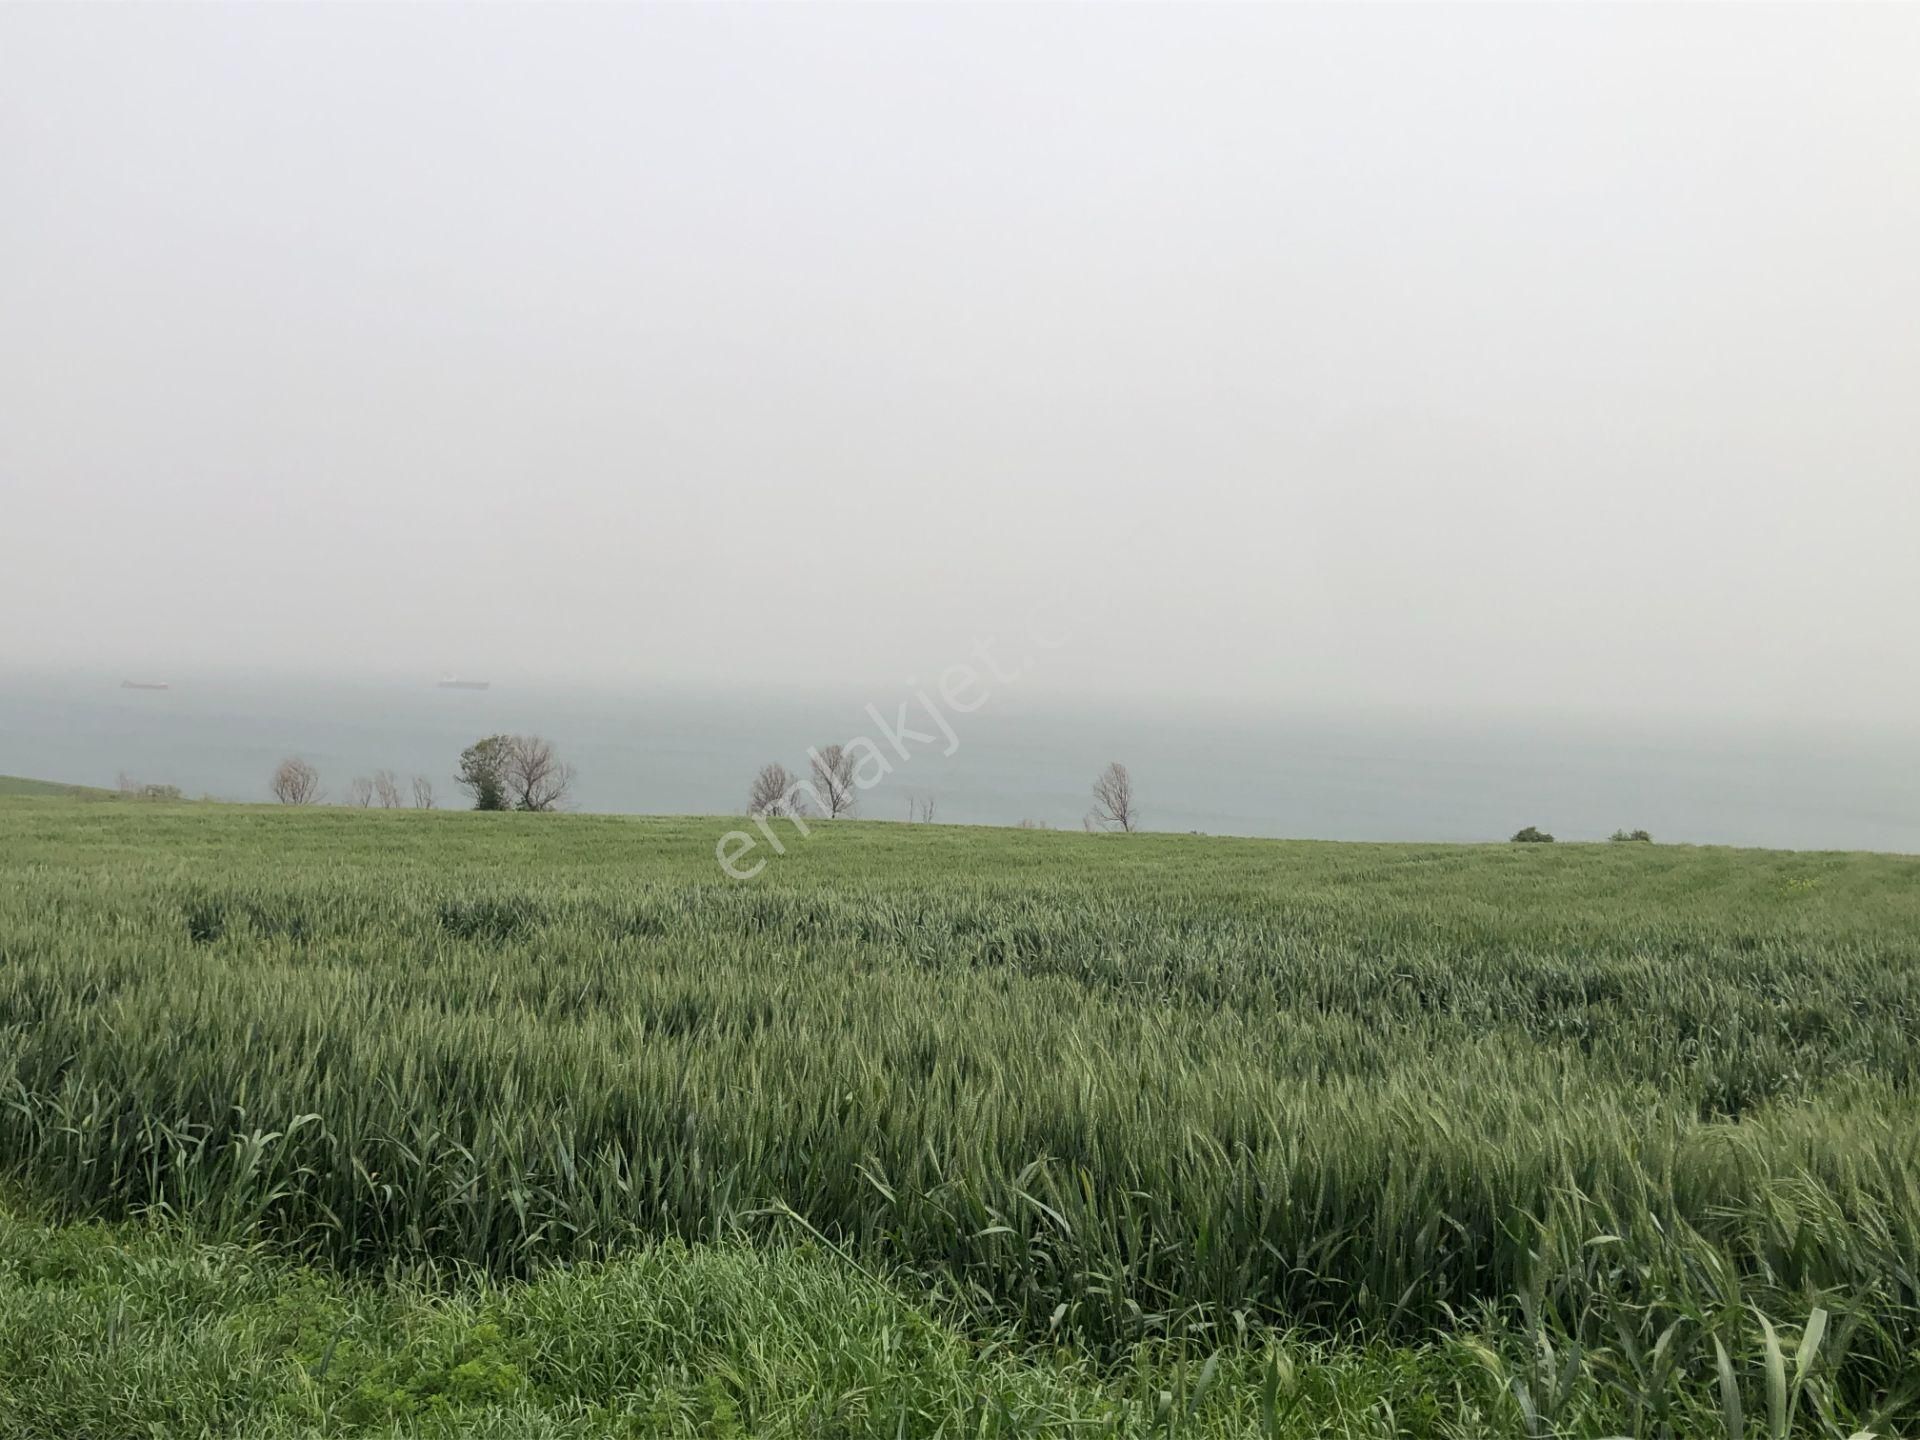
{"x":296,"y":782}
{"x":833,"y":789}
{"x":360,"y":793}
{"x":921,"y":811}
{"x":386,"y":789}
{"x":422,"y":793}
{"x":534,"y":775}
{"x":1113,"y":807}
{"x":772,"y":792}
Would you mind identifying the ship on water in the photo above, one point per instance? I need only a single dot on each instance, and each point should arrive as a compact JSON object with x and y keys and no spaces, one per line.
{"x":145,"y":685}
{"x":454,"y":682}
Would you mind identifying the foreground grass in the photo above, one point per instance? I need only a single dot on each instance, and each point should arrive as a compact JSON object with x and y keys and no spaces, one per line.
{"x":125,"y":1331}
{"x":1636,"y":1127}
{"x":144,"y":1331}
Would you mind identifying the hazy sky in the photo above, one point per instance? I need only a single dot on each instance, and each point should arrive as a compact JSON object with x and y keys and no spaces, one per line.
{"x":1462,"y":357}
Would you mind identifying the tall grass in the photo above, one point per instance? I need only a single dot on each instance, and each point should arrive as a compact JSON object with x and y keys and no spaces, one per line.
{"x":132,"y":1331}
{"x":1115,"y":1088}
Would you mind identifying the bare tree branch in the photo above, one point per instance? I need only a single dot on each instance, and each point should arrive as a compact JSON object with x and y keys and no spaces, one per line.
{"x":535,"y":776}
{"x":772,"y":791}
{"x":1113,"y":807}
{"x":296,"y":782}
{"x":360,"y":793}
{"x":833,"y":787}
{"x":422,"y":793}
{"x":386,"y":789}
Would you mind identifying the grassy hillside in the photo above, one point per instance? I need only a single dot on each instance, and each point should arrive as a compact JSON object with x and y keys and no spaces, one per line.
{"x":1555,"y":1103}
{"x":15,"y":785}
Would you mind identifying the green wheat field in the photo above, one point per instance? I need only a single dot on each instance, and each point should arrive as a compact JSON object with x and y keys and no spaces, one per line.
{"x":333,"y":1122}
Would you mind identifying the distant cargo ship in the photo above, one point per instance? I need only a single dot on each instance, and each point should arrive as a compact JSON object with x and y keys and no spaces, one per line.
{"x":452,"y":682}
{"x":144,"y":685}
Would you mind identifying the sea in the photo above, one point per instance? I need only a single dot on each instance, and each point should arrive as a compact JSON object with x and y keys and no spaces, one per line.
{"x":1279,"y":771}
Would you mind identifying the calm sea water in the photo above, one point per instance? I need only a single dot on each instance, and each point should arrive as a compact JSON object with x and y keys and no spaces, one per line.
{"x":1332,"y":777}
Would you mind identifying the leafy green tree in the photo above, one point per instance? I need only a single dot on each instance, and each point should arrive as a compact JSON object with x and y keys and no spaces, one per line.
{"x":483,"y":771}
{"x":1532,"y":835}
{"x":515,"y":772}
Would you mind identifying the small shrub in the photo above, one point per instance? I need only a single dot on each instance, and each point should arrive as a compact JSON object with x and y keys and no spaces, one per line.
{"x":1532,"y":835}
{"x":1622,"y":837}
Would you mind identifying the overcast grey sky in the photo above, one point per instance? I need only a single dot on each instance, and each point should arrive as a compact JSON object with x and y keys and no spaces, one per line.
{"x":1434,"y":356}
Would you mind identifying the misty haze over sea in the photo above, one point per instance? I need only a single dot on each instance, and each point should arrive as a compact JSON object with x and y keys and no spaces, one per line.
{"x":1436,"y":384}
{"x":1365,"y":776}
